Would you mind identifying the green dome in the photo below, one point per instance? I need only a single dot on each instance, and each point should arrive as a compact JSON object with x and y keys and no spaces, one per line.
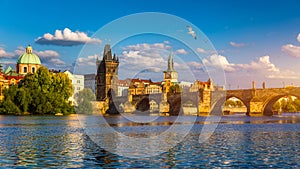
{"x":28,"y":57}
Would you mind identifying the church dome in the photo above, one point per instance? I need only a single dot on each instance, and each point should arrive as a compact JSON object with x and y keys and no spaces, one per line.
{"x":28,"y":57}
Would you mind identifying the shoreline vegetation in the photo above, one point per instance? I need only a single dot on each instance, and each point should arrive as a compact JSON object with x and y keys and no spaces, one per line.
{"x":47,"y":93}
{"x":40,"y":93}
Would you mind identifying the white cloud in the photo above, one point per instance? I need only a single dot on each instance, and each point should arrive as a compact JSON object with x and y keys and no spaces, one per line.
{"x":263,"y":64}
{"x":291,"y":50}
{"x":261,"y":67}
{"x":219,"y":61}
{"x":144,"y":58}
{"x":90,"y":60}
{"x":4,"y":54}
{"x":66,"y":38}
{"x":47,"y":53}
{"x":298,"y":38}
{"x":181,"y":51}
{"x":57,"y":61}
{"x":237,"y":45}
{"x":200,"y":50}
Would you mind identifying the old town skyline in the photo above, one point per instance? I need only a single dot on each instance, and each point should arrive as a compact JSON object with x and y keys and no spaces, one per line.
{"x":253,"y":41}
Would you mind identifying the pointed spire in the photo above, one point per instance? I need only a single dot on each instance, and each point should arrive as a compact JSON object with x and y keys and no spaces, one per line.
{"x":97,"y":61}
{"x":115,"y":57}
{"x":107,"y":53}
{"x":170,"y":63}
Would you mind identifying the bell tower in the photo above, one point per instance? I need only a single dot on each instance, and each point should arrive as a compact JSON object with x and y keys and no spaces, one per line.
{"x":171,"y":74}
{"x":107,"y":75}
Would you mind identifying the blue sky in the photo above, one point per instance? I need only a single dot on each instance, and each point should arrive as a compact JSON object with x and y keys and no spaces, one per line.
{"x":255,"y":40}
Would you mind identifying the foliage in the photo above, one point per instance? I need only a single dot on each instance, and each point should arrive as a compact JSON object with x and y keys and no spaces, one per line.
{"x":39,"y":93}
{"x":83,"y":99}
{"x":175,"y":88}
{"x":234,"y":103}
{"x":287,"y":104}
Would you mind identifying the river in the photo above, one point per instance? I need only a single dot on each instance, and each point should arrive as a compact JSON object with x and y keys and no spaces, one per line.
{"x":237,"y":141}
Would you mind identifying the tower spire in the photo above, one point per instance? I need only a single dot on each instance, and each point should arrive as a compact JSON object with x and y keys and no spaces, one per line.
{"x":170,"y":62}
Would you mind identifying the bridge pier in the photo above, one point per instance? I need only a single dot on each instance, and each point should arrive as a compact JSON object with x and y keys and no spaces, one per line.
{"x":256,"y":108}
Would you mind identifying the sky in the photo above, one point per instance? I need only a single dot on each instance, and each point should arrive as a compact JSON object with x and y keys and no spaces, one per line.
{"x":246,"y":40}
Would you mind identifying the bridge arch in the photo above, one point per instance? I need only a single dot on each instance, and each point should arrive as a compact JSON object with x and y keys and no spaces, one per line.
{"x":243,"y":101}
{"x":219,"y":104}
{"x":175,"y":106}
{"x":190,"y":107}
{"x":268,"y":105}
{"x":143,"y":105}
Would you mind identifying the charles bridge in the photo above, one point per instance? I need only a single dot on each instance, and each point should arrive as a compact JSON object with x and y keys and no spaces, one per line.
{"x":202,"y":98}
{"x":258,"y":102}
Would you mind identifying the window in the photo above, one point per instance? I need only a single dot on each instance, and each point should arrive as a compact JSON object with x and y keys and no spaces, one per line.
{"x":78,"y":81}
{"x":78,"y":88}
{"x":33,"y":70}
{"x":25,"y":69}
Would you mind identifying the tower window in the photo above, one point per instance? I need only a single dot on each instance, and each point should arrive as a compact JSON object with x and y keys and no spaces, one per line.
{"x":33,"y":70}
{"x":25,"y":69}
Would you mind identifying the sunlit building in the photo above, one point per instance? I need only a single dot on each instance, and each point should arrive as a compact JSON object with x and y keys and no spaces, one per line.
{"x":123,"y":87}
{"x":77,"y":84}
{"x":90,"y":82}
{"x":144,"y":86}
{"x":28,"y":62}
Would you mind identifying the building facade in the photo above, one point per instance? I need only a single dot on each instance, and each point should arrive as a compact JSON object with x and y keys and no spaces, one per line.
{"x":90,"y":82}
{"x":144,"y":86}
{"x":77,"y":84}
{"x":28,"y":62}
{"x":107,"y":75}
{"x":123,"y":87}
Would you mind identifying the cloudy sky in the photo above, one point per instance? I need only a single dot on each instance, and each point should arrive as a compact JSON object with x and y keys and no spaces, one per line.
{"x":253,"y":40}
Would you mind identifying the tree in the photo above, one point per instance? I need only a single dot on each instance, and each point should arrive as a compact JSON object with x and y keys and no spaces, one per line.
{"x":39,"y":93}
{"x":83,"y":99}
{"x":288,"y":104}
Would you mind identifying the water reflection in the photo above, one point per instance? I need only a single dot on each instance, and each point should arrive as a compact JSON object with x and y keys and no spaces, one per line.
{"x":60,"y":142}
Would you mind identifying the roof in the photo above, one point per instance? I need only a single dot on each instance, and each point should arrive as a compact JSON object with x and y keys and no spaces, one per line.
{"x":7,"y":70}
{"x":28,"y":57}
{"x":123,"y":83}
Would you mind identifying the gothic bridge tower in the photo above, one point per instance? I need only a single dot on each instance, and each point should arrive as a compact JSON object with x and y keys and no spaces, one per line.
{"x":107,"y":75}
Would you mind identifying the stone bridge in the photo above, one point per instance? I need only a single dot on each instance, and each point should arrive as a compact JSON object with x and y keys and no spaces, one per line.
{"x":259,"y":102}
{"x":144,"y":103}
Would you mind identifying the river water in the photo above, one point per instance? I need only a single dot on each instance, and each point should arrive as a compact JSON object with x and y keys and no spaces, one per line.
{"x":238,"y":141}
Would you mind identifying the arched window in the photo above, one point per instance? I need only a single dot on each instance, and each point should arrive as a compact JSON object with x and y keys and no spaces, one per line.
{"x":25,"y":69}
{"x":33,"y":70}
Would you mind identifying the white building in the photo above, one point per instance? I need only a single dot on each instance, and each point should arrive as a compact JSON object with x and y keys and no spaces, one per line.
{"x":90,"y":82}
{"x":123,"y":87}
{"x":77,"y":83}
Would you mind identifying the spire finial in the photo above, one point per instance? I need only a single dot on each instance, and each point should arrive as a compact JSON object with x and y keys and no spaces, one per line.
{"x":29,"y":49}
{"x":170,"y":62}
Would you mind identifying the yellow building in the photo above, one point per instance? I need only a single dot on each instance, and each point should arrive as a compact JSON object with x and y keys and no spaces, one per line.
{"x":28,"y":62}
{"x":144,"y":86}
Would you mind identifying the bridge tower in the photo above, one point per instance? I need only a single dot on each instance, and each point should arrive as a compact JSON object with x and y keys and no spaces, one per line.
{"x":107,"y":75}
{"x":170,"y":79}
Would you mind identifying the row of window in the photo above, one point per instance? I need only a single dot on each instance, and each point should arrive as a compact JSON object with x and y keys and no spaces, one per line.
{"x":32,"y":70}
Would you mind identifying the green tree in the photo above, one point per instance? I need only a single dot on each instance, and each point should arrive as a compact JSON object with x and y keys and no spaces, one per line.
{"x":39,"y":93}
{"x":175,"y":89}
{"x":83,"y":99}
